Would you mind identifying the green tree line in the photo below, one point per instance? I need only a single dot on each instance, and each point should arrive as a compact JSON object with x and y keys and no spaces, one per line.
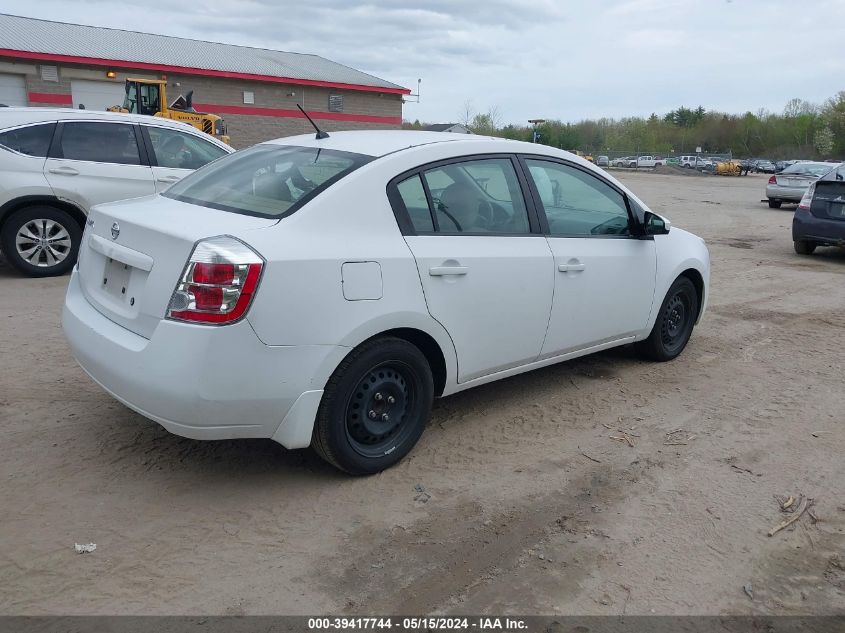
{"x":802,"y":130}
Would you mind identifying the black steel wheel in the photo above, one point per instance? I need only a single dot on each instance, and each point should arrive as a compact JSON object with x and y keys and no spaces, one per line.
{"x":378,"y":408}
{"x":374,"y":407}
{"x":674,"y":324}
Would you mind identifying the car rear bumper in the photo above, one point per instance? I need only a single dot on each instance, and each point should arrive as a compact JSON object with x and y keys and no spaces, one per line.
{"x":806,"y":226}
{"x":779,"y":192}
{"x":198,"y":381}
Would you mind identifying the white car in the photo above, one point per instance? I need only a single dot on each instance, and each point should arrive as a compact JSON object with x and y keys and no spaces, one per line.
{"x":55,"y":163}
{"x":323,"y":291}
{"x":650,"y":161}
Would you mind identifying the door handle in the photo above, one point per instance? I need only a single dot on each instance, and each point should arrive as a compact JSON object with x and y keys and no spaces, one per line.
{"x":571,"y":268}
{"x":65,"y":171}
{"x":441,"y":271}
{"x":168,"y":180}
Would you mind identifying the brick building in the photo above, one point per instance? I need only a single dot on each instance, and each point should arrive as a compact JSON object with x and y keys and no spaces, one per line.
{"x":44,"y":63}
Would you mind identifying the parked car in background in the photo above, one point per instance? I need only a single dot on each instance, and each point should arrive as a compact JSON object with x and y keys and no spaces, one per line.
{"x":791,"y":184}
{"x":819,"y":219}
{"x":650,"y":161}
{"x":323,"y":291}
{"x":764,"y":167}
{"x":625,"y":161}
{"x":695,"y":162}
{"x":783,"y":164}
{"x":56,"y":163}
{"x":602,"y":161}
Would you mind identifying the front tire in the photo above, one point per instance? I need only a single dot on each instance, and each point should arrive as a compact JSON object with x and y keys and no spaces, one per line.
{"x":41,"y":241}
{"x":804,"y":247}
{"x":774,"y":204}
{"x":674,"y":324}
{"x":374,"y":407}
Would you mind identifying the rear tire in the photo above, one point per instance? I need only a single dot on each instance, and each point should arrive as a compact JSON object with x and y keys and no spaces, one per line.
{"x":674,"y":324}
{"x":804,"y":247}
{"x":774,"y":204}
{"x":374,"y":407}
{"x":41,"y":241}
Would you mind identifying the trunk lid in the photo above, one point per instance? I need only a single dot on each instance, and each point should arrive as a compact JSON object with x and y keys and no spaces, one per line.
{"x":829,"y":200}
{"x":795,"y":180}
{"x":131,"y":258}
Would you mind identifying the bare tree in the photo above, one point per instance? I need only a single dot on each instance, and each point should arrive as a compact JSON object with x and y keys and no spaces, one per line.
{"x":494,"y":116}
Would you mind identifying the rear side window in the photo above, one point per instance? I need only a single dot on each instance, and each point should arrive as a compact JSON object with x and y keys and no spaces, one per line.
{"x":33,"y":140}
{"x":266,"y":180}
{"x":413,"y":197}
{"x":100,"y":143}
{"x":477,"y":196}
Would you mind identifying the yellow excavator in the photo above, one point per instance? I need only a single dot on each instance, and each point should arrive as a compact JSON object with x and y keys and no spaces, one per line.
{"x":149,"y":96}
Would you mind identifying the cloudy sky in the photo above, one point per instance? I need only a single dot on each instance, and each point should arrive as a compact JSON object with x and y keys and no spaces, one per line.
{"x":533,"y":58}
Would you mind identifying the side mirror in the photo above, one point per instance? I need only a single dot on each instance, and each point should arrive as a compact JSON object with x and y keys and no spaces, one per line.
{"x":655,"y":225}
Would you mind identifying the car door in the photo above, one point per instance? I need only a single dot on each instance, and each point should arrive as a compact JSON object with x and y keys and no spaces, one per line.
{"x":176,"y":153}
{"x":97,"y":161}
{"x":486,"y":271}
{"x":604,"y":274}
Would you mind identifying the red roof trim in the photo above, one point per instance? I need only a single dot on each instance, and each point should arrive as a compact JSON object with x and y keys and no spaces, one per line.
{"x":117,"y":63}
{"x":48,"y":97}
{"x":296,"y":114}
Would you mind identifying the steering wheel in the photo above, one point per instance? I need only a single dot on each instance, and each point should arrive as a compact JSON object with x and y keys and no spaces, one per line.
{"x":614,"y":226}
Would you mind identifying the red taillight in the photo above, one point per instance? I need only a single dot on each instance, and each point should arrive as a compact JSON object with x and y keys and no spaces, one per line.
{"x":807,"y":198}
{"x":207,"y":298}
{"x":218,"y":282}
{"x":773,"y":180}
{"x":214,"y":273}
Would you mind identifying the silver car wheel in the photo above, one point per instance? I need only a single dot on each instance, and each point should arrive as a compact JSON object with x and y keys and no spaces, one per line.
{"x":43,"y":243}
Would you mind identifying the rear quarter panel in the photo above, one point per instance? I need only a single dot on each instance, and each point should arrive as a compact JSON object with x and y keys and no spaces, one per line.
{"x":300,"y":300}
{"x":21,"y":176}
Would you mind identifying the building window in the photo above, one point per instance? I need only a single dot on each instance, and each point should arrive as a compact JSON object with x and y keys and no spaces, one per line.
{"x":335,"y":103}
{"x":49,"y":73}
{"x":249,"y":97}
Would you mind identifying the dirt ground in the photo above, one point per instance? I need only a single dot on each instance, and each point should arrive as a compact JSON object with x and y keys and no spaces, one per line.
{"x":529,"y":506}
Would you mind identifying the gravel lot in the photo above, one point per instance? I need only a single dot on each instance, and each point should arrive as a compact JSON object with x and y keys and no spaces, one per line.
{"x":530,"y":506}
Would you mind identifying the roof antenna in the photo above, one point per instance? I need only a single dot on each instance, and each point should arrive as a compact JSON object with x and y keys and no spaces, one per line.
{"x":320,"y":133}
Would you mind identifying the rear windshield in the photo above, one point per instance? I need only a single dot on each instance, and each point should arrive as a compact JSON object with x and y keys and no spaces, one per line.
{"x":808,"y":169}
{"x":266,"y":180}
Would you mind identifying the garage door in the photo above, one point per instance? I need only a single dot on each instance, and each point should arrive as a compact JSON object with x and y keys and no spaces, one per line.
{"x":97,"y":95}
{"x":13,"y":90}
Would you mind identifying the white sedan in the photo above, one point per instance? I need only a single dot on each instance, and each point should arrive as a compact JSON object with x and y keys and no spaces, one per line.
{"x":323,"y":291}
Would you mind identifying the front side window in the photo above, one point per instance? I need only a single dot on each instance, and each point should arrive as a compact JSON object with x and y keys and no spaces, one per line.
{"x":179,"y":150}
{"x":100,"y":143}
{"x":477,"y":196}
{"x":577,"y":203}
{"x":266,"y":180}
{"x":33,"y":140}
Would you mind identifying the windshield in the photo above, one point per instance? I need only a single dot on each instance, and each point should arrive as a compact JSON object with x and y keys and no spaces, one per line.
{"x":808,"y":169}
{"x":269,"y":181}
